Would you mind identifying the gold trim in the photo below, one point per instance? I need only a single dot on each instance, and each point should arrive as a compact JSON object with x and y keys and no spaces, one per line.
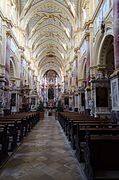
{"x":2,"y":66}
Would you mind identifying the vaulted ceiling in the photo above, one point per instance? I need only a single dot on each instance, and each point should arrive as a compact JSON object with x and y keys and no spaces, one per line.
{"x":49,"y":26}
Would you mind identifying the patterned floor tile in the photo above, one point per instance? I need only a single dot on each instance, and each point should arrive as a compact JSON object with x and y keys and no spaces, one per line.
{"x":45,"y":154}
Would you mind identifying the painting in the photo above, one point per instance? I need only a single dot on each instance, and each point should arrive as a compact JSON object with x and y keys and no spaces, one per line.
{"x":51,"y":93}
{"x":13,"y":99}
{"x":66,"y":100}
{"x":114,"y":93}
{"x":101,"y":96}
{"x":82,"y":99}
{"x":33,"y":101}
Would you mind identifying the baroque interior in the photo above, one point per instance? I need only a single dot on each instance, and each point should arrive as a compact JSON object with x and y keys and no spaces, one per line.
{"x":59,"y":50}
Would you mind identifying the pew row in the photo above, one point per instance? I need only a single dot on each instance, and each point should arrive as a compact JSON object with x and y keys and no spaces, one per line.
{"x":13,"y":128}
{"x":77,"y":128}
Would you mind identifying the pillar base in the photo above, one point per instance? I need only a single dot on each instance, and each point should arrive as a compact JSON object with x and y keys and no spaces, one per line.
{"x":70,"y":108}
{"x":115,"y":116}
{"x":87,"y":111}
{"x":75,"y":109}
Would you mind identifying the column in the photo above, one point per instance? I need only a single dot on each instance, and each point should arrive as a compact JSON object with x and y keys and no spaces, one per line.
{"x":21,"y":74}
{"x":76,"y":103}
{"x":2,"y":83}
{"x":7,"y":72}
{"x":116,"y":32}
{"x":87,"y":90}
{"x":76,"y":72}
{"x":21,"y":51}
{"x":70,"y":102}
{"x":29,"y":77}
{"x":7,"y":63}
{"x":70,"y":83}
{"x":115,"y":76}
{"x":88,"y":62}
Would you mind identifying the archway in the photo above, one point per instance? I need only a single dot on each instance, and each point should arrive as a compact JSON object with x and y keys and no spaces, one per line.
{"x":82,"y":87}
{"x":13,"y":85}
{"x":51,"y":83}
{"x":102,"y":86}
{"x":106,"y":56}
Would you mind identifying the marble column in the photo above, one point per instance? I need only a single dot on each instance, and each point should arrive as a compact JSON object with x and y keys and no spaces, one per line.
{"x":2,"y":83}
{"x":116,"y":32}
{"x":115,"y":76}
{"x":88,"y":62}
{"x":7,"y":63}
{"x":7,"y":71}
{"x":21,"y":80}
{"x":29,"y":77}
{"x":66,"y":83}
{"x":70,"y":102}
{"x":87,"y":90}
{"x":76,"y":103}
{"x":21,"y":74}
{"x":77,"y":72}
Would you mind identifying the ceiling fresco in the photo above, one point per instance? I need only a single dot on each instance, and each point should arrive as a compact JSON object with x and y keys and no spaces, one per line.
{"x":49,"y":25}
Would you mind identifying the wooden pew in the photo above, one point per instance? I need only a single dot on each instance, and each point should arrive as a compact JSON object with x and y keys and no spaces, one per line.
{"x":66,"y":118}
{"x":70,"y":128}
{"x":102,"y":157}
{"x":76,"y":125}
{"x":12,"y":130}
{"x":80,"y":138}
{"x":4,"y":141}
{"x":85,"y":125}
{"x":11,"y":133}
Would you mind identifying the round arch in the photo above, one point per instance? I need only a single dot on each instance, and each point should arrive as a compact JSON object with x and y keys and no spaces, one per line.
{"x":12,"y":68}
{"x":50,"y":26}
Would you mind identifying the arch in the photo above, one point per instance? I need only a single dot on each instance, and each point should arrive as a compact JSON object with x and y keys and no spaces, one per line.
{"x":15,"y":63}
{"x":56,"y":39}
{"x":46,"y":42}
{"x":98,"y":43}
{"x":44,"y":69}
{"x":106,"y":54}
{"x":12,"y":68}
{"x":103,"y":48}
{"x":84,"y":69}
{"x":82,"y":66}
{"x":96,"y":46}
{"x":54,"y":60}
{"x":45,"y":52}
{"x":57,"y":28}
{"x":45,"y":22}
{"x":27,"y":14}
{"x":34,"y":43}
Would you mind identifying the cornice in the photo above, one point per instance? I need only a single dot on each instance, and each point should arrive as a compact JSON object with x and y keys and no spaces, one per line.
{"x":93,"y":67}
{"x":2,"y":66}
{"x":6,"y":19}
{"x":15,"y":78}
{"x":86,"y":34}
{"x":80,"y":80}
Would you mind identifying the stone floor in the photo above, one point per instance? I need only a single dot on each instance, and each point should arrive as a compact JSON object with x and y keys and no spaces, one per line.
{"x":45,"y":154}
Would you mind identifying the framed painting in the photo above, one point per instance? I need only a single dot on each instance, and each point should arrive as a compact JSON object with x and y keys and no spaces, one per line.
{"x":101,"y":97}
{"x":115,"y":93}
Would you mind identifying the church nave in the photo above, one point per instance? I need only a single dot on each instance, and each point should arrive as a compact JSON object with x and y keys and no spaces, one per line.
{"x":45,"y":154}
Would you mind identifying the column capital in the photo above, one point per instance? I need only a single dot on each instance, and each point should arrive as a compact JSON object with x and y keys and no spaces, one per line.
{"x":21,"y":48}
{"x":9,"y":34}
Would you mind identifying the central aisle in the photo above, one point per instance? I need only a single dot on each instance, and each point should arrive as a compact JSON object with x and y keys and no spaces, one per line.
{"x":44,"y":155}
